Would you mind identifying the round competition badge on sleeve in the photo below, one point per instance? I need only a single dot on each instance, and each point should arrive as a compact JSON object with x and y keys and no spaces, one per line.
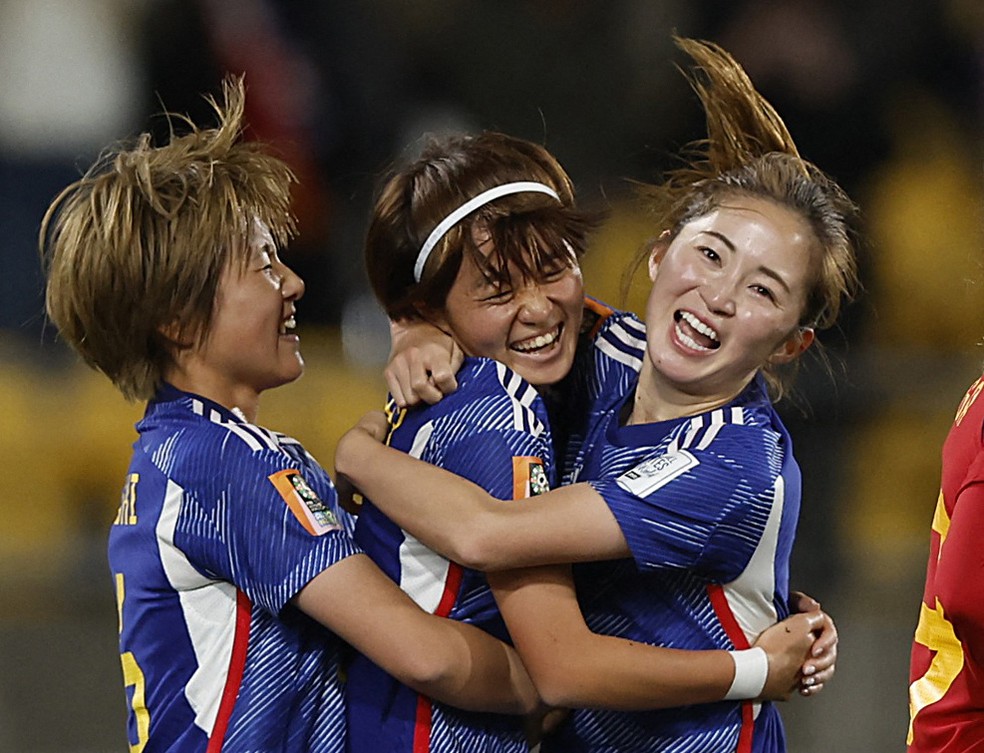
{"x":302,"y":500}
{"x":529,"y":477}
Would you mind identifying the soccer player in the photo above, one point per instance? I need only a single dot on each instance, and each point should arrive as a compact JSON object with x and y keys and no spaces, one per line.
{"x":688,"y":492}
{"x":236,"y":580}
{"x":947,"y":670}
{"x":505,"y":284}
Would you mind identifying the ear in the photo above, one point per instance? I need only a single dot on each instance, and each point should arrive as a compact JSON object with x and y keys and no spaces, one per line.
{"x":793,"y":346}
{"x":657,"y":254}
{"x":174,"y":334}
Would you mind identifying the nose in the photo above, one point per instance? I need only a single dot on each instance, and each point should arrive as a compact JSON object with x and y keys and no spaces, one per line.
{"x":719,"y":295}
{"x":534,"y":302}
{"x":291,"y":285}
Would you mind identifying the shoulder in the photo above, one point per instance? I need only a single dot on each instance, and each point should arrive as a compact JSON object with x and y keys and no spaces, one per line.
{"x":190,"y":438}
{"x":971,"y":409}
{"x":743,"y":441}
{"x":486,"y":379}
{"x":619,"y":336}
{"x":490,"y":397}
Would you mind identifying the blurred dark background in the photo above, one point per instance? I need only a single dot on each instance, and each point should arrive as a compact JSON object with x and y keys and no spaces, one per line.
{"x":884,"y":95}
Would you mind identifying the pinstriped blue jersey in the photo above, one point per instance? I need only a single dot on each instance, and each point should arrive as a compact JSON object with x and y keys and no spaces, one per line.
{"x":606,"y":367}
{"x":708,"y":505}
{"x":221,"y":523}
{"x":493,"y":431}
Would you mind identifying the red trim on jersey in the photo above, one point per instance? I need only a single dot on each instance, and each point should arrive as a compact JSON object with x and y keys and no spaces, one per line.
{"x":729,"y":622}
{"x":422,"y":723}
{"x":452,"y":584}
{"x":237,"y":664}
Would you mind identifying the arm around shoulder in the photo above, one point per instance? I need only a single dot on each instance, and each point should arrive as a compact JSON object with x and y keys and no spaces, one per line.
{"x":570,"y":524}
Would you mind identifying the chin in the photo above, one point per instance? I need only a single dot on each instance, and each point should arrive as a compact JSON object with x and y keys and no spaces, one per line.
{"x":293,"y":375}
{"x":543,"y":377}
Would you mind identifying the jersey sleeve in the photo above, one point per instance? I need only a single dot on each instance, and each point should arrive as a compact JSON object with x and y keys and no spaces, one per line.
{"x":495,"y":432}
{"x":266,"y":524}
{"x":960,"y":569}
{"x":703,"y":510}
{"x":507,"y":464}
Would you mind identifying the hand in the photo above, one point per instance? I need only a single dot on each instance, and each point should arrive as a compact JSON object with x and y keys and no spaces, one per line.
{"x":789,"y":645}
{"x":819,"y":668}
{"x":422,"y":364}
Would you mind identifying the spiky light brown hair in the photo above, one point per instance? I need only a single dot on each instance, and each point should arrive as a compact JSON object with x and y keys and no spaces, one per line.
{"x":138,"y":244}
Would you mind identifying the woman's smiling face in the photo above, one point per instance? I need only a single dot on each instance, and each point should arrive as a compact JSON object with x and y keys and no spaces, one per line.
{"x":532,"y":327}
{"x":251,"y":345}
{"x":728,"y":295}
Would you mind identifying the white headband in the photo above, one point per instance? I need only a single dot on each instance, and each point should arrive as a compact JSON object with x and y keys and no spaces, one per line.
{"x":467,"y":208}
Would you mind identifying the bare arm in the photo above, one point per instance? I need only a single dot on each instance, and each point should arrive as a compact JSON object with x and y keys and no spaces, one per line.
{"x":449,"y":661}
{"x":571,"y":666}
{"x":570,"y":524}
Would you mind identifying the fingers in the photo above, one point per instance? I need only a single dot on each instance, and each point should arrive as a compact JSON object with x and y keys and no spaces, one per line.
{"x":414,"y":376}
{"x":444,"y":381}
{"x":395,"y":382}
{"x":801,"y":602}
{"x":810,"y":691}
{"x":820,"y":666}
{"x":826,"y":636}
{"x":423,"y":387}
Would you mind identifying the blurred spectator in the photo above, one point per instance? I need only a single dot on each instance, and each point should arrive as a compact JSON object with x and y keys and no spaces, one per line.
{"x":69,"y":83}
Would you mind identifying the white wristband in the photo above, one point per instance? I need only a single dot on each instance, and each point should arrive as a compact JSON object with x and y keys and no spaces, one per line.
{"x":751,"y":672}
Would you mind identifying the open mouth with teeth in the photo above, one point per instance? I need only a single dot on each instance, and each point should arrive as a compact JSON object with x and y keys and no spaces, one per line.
{"x":538,"y":343}
{"x":693,"y":333}
{"x":287,"y":325}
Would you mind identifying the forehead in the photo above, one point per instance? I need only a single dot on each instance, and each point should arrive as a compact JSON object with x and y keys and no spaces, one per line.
{"x":259,"y":235}
{"x":256,"y":238}
{"x":757,"y":227}
{"x":485,"y":262}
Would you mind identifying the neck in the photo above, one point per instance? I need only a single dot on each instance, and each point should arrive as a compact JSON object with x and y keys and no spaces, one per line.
{"x":658,"y":400}
{"x":216,"y":390}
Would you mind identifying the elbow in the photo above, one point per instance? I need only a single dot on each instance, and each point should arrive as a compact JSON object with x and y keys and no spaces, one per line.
{"x":478,"y":546}
{"x":557,"y":687}
{"x":427,"y":672}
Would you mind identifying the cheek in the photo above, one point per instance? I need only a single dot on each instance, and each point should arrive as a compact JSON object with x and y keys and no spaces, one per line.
{"x":481,"y":332}
{"x":767,"y":333}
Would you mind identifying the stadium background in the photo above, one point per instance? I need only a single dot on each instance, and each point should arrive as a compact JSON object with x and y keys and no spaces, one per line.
{"x":886,"y":95}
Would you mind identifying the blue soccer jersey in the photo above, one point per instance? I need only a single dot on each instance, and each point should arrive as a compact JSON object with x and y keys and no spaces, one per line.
{"x":708,"y":505}
{"x":493,"y":431}
{"x":606,"y":367}
{"x":221,"y":523}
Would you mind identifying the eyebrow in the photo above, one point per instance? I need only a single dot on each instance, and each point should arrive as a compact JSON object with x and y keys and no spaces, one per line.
{"x":770,"y":273}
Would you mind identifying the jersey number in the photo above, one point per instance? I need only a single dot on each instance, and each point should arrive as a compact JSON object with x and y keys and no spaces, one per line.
{"x":133,"y":677}
{"x":935,"y":632}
